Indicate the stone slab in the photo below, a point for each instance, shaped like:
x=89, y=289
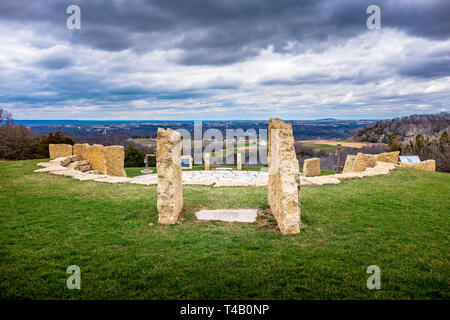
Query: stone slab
x=229, y=215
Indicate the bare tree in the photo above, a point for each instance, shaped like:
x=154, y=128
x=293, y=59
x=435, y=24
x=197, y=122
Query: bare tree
x=5, y=117
x=17, y=142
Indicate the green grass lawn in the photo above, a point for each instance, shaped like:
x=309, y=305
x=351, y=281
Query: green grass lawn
x=133, y=172
x=398, y=222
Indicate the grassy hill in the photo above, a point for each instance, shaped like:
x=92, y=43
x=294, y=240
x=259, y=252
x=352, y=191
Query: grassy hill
x=399, y=222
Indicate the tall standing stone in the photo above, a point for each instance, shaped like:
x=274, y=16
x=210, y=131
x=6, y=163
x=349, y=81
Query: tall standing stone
x=207, y=157
x=311, y=167
x=284, y=177
x=168, y=165
x=239, y=161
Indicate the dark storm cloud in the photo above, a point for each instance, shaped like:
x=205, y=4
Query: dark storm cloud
x=427, y=69
x=55, y=62
x=224, y=32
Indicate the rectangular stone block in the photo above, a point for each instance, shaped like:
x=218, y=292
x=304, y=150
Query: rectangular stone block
x=114, y=158
x=391, y=157
x=59, y=150
x=360, y=163
x=82, y=150
x=284, y=177
x=311, y=167
x=349, y=163
x=96, y=158
x=170, y=184
x=371, y=160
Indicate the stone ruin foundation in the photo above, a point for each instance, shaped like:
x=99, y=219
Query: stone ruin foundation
x=284, y=177
x=100, y=159
x=168, y=164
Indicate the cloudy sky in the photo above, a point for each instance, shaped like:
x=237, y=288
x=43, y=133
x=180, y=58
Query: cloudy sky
x=224, y=59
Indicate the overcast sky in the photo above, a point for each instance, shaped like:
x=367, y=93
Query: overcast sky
x=224, y=59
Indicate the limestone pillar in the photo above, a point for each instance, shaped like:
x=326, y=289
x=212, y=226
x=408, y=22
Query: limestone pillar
x=207, y=157
x=239, y=161
x=284, y=177
x=168, y=165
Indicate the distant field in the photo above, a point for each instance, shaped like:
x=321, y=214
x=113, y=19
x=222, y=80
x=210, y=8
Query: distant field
x=145, y=142
x=332, y=144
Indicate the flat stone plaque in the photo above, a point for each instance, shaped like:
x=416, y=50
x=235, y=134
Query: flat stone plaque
x=237, y=215
x=409, y=159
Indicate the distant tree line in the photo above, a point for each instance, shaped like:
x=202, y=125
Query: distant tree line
x=405, y=128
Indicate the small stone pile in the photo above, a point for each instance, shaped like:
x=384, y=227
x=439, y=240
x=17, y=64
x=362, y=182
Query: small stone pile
x=72, y=163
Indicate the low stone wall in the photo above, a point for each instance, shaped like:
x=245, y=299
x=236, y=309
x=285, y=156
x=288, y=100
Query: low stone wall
x=361, y=161
x=114, y=158
x=168, y=166
x=107, y=160
x=391, y=157
x=311, y=167
x=59, y=150
x=428, y=165
x=284, y=177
